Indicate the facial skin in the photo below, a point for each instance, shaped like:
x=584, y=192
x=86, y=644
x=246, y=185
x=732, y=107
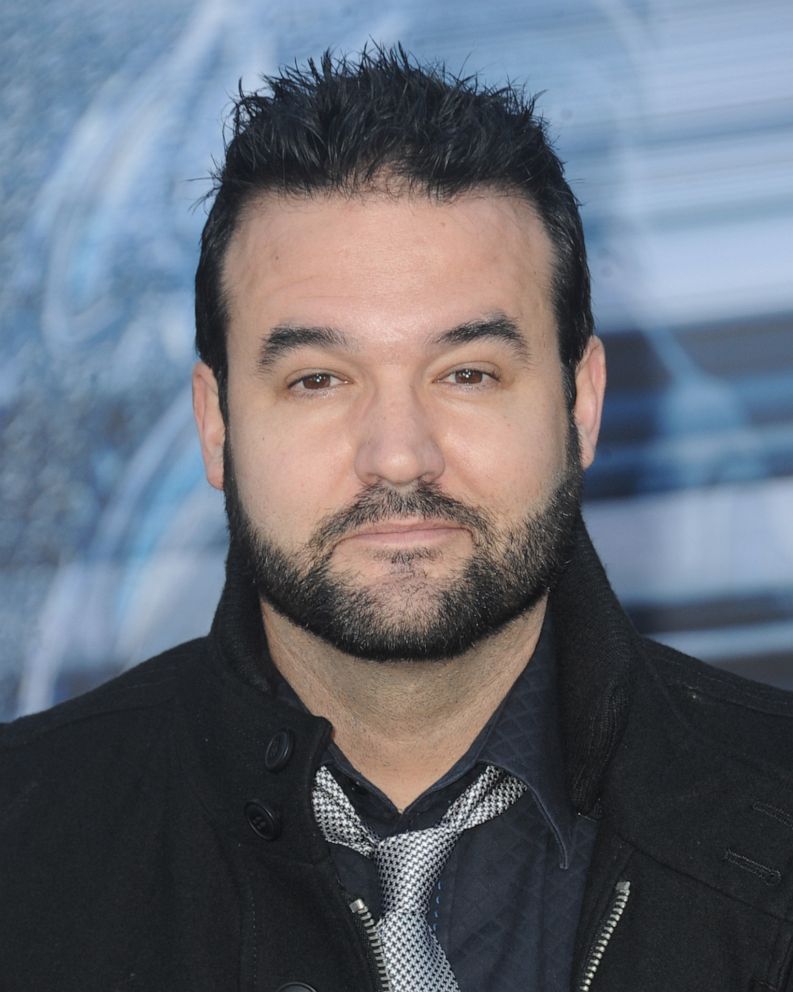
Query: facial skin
x=399, y=461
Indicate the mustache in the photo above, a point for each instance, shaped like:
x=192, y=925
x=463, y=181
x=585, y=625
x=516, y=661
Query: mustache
x=377, y=502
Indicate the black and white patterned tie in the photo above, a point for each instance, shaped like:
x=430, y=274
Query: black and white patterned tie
x=409, y=865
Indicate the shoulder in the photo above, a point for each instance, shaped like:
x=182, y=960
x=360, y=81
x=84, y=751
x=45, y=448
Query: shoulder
x=144, y=687
x=734, y=713
x=96, y=736
x=84, y=791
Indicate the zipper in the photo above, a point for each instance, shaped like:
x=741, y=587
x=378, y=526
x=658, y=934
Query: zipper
x=619, y=901
x=369, y=927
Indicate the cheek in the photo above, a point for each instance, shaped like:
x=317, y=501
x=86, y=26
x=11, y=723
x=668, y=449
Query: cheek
x=286, y=478
x=510, y=463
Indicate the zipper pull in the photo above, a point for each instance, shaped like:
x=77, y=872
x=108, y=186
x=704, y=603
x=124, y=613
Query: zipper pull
x=619, y=901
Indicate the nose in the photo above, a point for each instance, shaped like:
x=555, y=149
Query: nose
x=396, y=441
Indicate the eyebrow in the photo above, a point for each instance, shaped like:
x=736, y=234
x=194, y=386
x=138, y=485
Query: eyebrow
x=287, y=337
x=497, y=325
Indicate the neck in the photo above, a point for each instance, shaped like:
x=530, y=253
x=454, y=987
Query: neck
x=402, y=724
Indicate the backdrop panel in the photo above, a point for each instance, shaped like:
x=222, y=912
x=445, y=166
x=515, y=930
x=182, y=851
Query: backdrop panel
x=674, y=120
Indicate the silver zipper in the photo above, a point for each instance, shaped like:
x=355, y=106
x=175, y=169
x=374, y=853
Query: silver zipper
x=622, y=891
x=361, y=910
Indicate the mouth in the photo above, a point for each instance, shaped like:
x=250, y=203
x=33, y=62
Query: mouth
x=403, y=532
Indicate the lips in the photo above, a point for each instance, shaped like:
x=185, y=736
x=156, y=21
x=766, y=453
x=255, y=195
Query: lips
x=403, y=526
x=406, y=530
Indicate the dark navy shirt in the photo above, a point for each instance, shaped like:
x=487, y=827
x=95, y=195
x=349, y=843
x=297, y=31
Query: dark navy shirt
x=508, y=900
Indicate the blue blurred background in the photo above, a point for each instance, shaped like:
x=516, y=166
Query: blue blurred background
x=674, y=119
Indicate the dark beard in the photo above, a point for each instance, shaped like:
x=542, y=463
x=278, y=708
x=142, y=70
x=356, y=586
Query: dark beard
x=508, y=573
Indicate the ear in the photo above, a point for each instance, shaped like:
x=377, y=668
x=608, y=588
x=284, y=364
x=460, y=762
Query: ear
x=209, y=421
x=590, y=385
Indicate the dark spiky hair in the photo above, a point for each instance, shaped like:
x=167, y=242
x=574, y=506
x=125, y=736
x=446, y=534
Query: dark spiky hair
x=386, y=121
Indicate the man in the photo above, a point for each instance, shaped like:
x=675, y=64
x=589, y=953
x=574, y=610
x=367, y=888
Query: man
x=422, y=748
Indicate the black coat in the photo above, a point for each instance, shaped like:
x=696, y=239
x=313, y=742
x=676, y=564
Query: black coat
x=156, y=834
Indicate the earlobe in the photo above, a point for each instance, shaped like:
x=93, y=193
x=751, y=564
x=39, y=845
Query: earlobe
x=590, y=380
x=209, y=421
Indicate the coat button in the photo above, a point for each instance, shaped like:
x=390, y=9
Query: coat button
x=295, y=987
x=279, y=750
x=264, y=820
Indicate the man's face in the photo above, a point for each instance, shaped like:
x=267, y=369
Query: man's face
x=400, y=467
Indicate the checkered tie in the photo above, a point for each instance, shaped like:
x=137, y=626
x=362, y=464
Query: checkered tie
x=409, y=865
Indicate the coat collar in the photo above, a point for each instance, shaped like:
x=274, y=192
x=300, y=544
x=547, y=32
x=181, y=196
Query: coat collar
x=597, y=649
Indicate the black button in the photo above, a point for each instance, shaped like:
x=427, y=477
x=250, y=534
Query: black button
x=279, y=750
x=295, y=987
x=264, y=820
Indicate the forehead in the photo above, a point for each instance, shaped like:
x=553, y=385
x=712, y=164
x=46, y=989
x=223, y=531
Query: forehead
x=387, y=266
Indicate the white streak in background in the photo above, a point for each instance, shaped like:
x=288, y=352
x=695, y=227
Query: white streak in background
x=704, y=273
x=61, y=612
x=734, y=540
x=634, y=30
x=729, y=643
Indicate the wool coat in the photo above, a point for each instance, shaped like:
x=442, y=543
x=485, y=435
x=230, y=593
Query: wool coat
x=156, y=834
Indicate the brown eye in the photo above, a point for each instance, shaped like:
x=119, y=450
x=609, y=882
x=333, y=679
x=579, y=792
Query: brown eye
x=469, y=377
x=319, y=380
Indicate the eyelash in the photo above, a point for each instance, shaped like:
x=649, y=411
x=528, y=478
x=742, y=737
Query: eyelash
x=313, y=375
x=485, y=373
